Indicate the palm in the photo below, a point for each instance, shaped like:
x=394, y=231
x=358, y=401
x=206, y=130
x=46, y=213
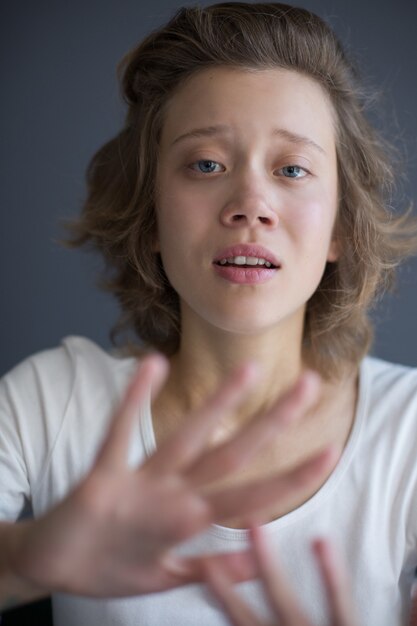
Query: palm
x=114, y=534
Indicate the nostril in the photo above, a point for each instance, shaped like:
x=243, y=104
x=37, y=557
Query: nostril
x=250, y=217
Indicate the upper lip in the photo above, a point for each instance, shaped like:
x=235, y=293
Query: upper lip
x=247, y=249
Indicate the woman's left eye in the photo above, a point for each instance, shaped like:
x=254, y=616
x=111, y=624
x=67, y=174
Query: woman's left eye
x=205, y=166
x=293, y=171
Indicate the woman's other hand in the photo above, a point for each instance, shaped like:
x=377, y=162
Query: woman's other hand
x=285, y=605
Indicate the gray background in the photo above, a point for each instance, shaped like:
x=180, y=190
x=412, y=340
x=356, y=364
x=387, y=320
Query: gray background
x=60, y=102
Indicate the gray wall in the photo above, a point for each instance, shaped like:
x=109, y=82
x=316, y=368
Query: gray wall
x=60, y=102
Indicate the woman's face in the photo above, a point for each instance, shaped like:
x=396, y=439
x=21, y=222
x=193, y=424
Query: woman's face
x=247, y=196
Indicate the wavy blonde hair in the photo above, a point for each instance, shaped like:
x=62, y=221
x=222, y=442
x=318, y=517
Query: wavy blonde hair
x=119, y=219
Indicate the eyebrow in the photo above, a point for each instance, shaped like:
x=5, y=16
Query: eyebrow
x=223, y=129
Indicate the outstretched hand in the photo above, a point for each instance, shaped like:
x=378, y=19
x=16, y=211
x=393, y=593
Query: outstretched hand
x=114, y=534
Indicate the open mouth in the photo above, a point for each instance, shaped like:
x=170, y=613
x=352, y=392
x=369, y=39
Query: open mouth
x=246, y=262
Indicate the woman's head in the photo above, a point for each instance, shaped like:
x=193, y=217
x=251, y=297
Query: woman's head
x=246, y=199
x=120, y=211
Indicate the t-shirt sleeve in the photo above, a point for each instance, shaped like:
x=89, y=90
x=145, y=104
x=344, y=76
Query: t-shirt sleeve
x=33, y=399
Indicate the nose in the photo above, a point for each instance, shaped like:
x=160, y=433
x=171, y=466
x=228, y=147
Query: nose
x=249, y=208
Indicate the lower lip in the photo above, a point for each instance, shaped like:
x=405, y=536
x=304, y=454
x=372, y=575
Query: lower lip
x=245, y=275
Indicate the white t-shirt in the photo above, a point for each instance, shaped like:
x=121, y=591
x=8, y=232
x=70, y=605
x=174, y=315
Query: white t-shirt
x=54, y=411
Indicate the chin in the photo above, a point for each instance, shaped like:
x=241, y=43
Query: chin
x=246, y=325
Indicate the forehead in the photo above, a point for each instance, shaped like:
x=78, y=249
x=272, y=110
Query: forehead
x=246, y=101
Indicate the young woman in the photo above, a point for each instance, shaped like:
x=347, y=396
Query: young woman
x=243, y=212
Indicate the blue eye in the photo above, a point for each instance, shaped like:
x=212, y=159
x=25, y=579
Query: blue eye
x=293, y=171
x=206, y=166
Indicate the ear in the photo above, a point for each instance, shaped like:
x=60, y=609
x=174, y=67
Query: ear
x=334, y=251
x=335, y=246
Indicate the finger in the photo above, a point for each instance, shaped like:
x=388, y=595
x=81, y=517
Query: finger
x=186, y=445
x=336, y=581
x=277, y=590
x=237, y=452
x=236, y=609
x=148, y=378
x=173, y=571
x=257, y=497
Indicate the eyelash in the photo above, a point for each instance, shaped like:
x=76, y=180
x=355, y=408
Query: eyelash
x=298, y=167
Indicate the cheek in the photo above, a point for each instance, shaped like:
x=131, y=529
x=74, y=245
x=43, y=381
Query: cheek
x=183, y=211
x=177, y=224
x=312, y=220
x=180, y=233
x=311, y=230
x=170, y=208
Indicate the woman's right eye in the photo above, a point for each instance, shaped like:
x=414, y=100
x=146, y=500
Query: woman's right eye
x=205, y=166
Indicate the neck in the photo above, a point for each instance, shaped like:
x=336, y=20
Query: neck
x=208, y=355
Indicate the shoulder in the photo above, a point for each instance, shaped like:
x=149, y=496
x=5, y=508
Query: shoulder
x=53, y=409
x=388, y=412
x=389, y=441
x=73, y=377
x=58, y=368
x=389, y=384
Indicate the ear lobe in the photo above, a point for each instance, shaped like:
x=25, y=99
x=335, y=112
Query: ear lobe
x=334, y=251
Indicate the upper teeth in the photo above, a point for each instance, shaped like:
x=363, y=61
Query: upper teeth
x=245, y=260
